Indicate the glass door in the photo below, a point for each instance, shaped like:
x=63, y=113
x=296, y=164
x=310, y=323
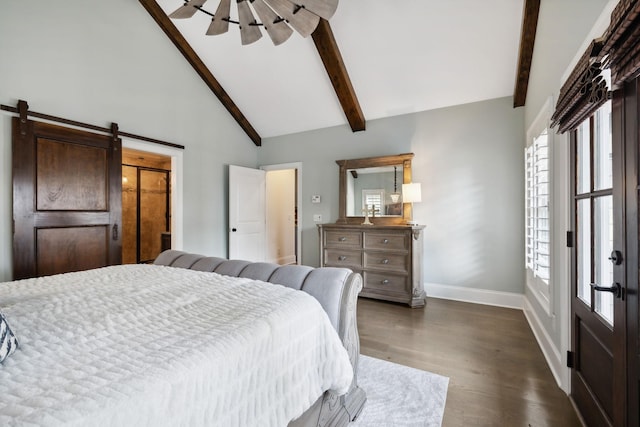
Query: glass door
x=596, y=274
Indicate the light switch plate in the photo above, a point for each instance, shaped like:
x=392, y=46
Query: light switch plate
x=315, y=198
x=317, y=218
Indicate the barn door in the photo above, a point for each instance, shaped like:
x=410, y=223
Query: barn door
x=66, y=199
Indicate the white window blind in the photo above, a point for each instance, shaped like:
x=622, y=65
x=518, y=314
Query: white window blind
x=373, y=198
x=537, y=206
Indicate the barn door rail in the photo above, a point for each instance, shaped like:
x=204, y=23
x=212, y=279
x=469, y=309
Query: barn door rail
x=22, y=110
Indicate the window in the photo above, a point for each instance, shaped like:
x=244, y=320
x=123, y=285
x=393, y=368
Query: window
x=594, y=211
x=538, y=213
x=537, y=207
x=373, y=199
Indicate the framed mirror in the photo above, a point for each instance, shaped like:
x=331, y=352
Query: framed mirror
x=375, y=182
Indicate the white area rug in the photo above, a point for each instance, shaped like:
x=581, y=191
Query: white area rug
x=399, y=396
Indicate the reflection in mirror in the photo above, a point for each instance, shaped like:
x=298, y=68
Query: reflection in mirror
x=374, y=181
x=375, y=188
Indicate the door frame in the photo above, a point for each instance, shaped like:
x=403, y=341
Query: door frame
x=177, y=178
x=298, y=168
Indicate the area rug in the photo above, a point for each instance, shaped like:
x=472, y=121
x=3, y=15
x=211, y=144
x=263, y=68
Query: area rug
x=399, y=396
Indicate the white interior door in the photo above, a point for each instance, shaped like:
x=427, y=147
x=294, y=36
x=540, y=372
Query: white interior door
x=247, y=213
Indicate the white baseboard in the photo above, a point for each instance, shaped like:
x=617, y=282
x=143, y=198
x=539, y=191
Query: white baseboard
x=473, y=295
x=551, y=353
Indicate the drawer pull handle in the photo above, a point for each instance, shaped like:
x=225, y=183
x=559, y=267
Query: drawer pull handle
x=385, y=241
x=342, y=239
x=384, y=282
x=342, y=258
x=385, y=261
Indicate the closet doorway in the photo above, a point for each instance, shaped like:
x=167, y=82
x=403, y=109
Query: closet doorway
x=146, y=205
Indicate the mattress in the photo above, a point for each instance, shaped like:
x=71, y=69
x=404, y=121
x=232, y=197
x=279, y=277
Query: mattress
x=148, y=345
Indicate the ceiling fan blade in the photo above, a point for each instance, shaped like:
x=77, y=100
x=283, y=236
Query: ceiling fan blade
x=278, y=31
x=187, y=10
x=323, y=8
x=219, y=24
x=248, y=33
x=303, y=21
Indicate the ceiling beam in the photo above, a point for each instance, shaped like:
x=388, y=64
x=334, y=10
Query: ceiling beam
x=527, y=40
x=333, y=63
x=192, y=57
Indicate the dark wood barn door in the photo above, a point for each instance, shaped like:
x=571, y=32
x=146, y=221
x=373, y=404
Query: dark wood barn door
x=66, y=199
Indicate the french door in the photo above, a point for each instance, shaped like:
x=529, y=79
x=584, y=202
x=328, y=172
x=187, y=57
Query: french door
x=604, y=159
x=595, y=291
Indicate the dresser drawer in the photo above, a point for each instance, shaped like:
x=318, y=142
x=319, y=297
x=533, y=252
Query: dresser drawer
x=343, y=239
x=385, y=282
x=386, y=261
x=394, y=242
x=342, y=258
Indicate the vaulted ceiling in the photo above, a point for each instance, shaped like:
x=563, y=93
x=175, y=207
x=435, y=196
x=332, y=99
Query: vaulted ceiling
x=373, y=59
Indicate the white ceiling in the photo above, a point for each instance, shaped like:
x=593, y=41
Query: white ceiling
x=402, y=57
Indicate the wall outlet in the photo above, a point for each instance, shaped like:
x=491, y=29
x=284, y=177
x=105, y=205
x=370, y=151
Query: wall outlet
x=315, y=199
x=317, y=218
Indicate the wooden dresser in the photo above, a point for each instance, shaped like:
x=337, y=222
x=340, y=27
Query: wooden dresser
x=389, y=258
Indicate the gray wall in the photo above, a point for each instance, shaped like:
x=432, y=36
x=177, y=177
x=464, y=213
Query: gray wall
x=469, y=161
x=108, y=61
x=563, y=27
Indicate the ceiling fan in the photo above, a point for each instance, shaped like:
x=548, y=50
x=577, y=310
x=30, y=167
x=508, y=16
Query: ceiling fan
x=278, y=17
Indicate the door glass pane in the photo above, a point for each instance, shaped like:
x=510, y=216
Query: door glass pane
x=129, y=214
x=583, y=159
x=584, y=250
x=602, y=154
x=603, y=244
x=153, y=213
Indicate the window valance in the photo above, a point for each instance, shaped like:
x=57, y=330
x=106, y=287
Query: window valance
x=618, y=51
x=584, y=91
x=621, y=50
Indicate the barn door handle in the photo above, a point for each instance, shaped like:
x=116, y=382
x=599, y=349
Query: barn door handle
x=615, y=289
x=114, y=232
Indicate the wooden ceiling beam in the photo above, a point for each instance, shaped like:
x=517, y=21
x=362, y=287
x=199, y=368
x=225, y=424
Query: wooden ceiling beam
x=527, y=40
x=192, y=57
x=333, y=63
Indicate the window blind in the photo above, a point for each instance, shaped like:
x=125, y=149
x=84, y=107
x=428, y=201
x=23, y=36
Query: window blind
x=584, y=91
x=537, y=206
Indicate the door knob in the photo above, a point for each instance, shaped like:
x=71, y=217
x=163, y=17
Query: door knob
x=616, y=257
x=233, y=230
x=615, y=289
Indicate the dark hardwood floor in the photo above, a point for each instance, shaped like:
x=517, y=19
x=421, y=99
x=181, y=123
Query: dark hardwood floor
x=497, y=373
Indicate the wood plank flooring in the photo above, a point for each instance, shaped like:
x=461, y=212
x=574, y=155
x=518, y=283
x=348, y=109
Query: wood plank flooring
x=497, y=373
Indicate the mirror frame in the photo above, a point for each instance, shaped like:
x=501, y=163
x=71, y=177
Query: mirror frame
x=368, y=162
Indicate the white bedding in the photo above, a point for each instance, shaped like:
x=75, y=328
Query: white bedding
x=145, y=345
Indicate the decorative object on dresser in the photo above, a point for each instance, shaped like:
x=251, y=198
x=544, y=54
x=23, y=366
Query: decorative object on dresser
x=412, y=193
x=389, y=257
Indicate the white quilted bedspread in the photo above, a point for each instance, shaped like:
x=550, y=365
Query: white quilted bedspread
x=145, y=345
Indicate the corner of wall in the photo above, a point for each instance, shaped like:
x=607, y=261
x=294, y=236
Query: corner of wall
x=551, y=353
x=475, y=295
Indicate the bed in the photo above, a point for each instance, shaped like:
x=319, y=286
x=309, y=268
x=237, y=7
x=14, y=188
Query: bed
x=188, y=341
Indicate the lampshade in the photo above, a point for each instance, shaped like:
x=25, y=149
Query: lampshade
x=411, y=193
